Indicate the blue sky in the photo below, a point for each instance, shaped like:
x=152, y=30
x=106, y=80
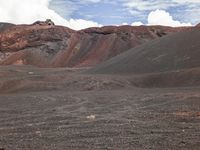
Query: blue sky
x=80, y=14
x=105, y=13
x=126, y=11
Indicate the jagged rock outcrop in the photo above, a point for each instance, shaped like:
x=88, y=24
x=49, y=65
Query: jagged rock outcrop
x=48, y=22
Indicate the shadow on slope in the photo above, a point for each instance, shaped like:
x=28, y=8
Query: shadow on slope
x=172, y=52
x=170, y=61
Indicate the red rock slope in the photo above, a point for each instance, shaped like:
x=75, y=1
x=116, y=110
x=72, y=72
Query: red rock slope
x=45, y=45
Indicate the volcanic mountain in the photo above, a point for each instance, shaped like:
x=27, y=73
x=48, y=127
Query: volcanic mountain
x=146, y=97
x=176, y=51
x=45, y=45
x=170, y=60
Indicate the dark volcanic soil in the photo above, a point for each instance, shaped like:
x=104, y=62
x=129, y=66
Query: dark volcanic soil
x=56, y=109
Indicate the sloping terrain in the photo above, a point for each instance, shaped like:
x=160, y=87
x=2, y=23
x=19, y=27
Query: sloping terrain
x=172, y=52
x=169, y=61
x=45, y=45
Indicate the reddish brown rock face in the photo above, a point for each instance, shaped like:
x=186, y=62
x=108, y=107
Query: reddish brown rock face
x=198, y=25
x=56, y=46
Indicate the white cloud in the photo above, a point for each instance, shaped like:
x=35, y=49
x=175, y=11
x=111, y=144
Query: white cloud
x=29, y=11
x=124, y=23
x=82, y=24
x=138, y=23
x=190, y=13
x=187, y=1
x=161, y=17
x=142, y=5
x=93, y=1
x=63, y=8
x=156, y=4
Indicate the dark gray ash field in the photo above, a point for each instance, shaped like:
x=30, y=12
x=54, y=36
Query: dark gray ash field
x=57, y=92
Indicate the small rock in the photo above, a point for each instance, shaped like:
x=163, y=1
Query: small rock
x=38, y=133
x=91, y=117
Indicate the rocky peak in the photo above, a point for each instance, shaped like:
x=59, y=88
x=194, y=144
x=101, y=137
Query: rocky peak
x=48, y=22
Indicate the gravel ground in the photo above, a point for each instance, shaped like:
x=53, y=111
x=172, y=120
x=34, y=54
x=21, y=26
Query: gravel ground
x=109, y=114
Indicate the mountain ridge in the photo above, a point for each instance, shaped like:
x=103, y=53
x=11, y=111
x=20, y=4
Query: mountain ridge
x=48, y=45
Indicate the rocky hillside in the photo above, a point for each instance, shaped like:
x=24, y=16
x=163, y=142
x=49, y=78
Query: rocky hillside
x=45, y=45
x=172, y=52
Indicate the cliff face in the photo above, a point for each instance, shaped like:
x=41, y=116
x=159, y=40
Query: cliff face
x=47, y=45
